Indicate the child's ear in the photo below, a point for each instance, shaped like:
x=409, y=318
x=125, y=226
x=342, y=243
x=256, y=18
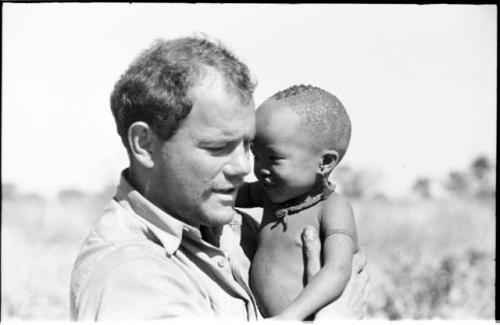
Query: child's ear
x=329, y=160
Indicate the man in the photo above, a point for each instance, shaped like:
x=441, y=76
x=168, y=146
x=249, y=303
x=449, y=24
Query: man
x=170, y=244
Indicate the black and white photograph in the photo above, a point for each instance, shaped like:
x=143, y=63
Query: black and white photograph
x=248, y=162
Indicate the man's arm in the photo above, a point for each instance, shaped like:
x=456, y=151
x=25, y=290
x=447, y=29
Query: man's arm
x=250, y=196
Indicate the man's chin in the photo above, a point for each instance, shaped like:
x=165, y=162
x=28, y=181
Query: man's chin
x=222, y=217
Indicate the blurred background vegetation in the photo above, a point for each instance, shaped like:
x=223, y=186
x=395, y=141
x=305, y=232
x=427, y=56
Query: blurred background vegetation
x=431, y=254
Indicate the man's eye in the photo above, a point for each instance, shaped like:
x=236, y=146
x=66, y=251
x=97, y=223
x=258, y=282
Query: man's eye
x=216, y=149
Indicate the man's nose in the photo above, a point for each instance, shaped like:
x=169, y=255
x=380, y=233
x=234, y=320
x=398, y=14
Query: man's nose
x=240, y=162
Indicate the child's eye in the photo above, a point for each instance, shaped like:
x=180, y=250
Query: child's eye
x=274, y=158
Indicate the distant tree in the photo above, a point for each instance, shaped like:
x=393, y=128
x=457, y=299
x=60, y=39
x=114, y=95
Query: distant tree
x=480, y=167
x=477, y=181
x=70, y=194
x=422, y=187
x=33, y=197
x=458, y=183
x=483, y=177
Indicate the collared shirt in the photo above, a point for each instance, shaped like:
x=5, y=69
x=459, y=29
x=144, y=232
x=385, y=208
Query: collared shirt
x=141, y=263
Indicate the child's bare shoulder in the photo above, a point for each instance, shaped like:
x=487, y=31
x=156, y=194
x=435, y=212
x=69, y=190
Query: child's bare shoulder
x=336, y=203
x=337, y=213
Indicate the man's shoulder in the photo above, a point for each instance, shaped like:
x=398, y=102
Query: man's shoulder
x=124, y=266
x=135, y=280
x=116, y=242
x=133, y=260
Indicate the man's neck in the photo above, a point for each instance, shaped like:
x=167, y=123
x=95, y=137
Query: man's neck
x=140, y=183
x=132, y=176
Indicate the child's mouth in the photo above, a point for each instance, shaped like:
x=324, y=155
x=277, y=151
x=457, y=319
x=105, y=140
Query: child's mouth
x=267, y=183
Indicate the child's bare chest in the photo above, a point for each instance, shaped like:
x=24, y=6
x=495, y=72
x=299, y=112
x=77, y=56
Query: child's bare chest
x=287, y=230
x=277, y=272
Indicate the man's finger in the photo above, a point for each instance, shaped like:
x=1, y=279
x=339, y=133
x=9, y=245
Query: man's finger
x=359, y=283
x=359, y=260
x=312, y=251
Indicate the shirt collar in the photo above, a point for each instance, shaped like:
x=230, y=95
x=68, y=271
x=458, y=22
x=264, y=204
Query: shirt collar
x=166, y=228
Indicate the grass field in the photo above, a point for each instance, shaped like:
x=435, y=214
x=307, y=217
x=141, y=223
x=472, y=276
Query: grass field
x=427, y=259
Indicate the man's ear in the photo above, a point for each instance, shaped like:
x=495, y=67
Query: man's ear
x=329, y=159
x=141, y=143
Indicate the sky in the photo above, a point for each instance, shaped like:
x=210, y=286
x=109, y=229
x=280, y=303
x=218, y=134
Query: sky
x=419, y=82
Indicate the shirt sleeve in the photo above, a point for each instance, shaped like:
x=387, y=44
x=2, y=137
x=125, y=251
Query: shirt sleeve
x=133, y=283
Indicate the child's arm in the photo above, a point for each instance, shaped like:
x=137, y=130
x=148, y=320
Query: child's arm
x=249, y=196
x=340, y=242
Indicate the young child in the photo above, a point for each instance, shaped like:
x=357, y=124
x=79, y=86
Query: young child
x=302, y=134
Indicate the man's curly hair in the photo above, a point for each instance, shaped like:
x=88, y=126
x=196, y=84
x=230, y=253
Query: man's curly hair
x=323, y=117
x=154, y=89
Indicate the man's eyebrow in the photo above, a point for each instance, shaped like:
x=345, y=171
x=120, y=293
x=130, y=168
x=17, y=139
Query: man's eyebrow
x=217, y=139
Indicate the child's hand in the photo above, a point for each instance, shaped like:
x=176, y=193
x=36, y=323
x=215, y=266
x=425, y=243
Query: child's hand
x=352, y=302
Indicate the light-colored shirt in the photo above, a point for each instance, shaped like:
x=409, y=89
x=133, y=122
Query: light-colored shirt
x=141, y=263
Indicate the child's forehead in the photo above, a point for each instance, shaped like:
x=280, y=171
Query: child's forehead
x=279, y=124
x=277, y=116
x=272, y=109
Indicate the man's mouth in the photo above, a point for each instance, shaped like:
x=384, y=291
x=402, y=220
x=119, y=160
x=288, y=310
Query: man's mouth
x=228, y=189
x=225, y=191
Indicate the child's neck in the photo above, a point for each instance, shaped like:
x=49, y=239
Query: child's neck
x=318, y=192
x=302, y=202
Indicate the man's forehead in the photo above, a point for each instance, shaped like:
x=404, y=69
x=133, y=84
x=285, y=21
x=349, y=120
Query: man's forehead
x=210, y=77
x=221, y=122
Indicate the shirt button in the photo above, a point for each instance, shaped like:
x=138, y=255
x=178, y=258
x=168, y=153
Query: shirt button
x=222, y=262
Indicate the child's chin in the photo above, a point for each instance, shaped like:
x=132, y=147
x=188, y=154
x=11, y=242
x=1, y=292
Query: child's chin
x=276, y=199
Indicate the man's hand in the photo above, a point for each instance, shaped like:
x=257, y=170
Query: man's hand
x=312, y=251
x=352, y=302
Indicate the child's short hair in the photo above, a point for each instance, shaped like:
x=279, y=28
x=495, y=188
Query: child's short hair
x=323, y=116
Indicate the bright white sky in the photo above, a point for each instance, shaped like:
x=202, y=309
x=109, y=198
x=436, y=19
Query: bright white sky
x=419, y=82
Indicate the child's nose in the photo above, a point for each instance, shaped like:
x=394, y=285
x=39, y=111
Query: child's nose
x=262, y=171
